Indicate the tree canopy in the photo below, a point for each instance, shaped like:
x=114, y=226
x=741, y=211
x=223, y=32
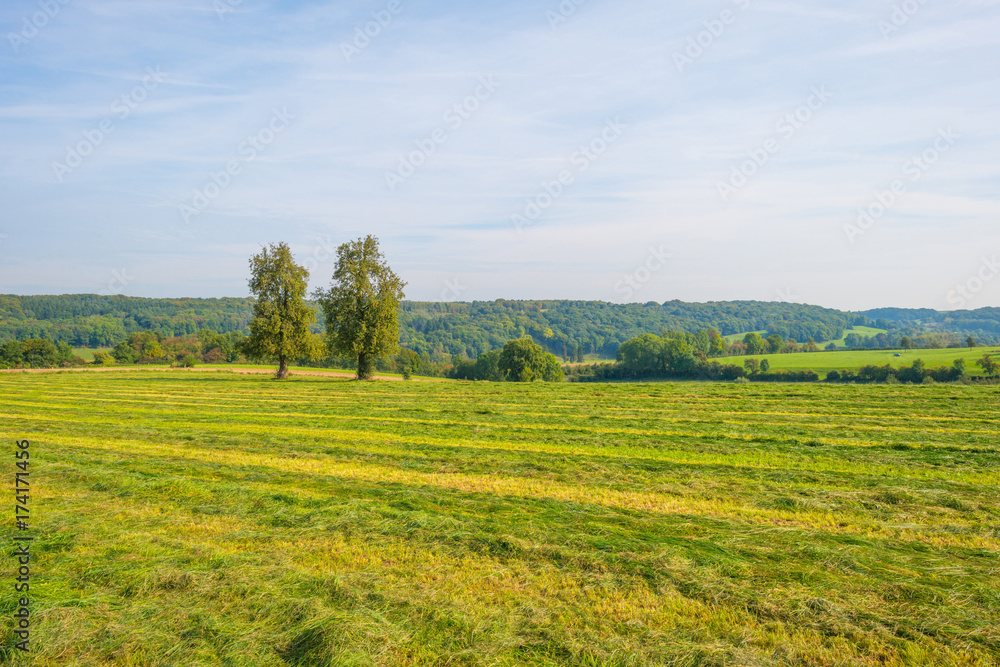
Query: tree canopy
x=522, y=360
x=280, y=325
x=362, y=304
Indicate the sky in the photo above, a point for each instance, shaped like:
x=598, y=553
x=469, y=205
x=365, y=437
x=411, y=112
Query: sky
x=836, y=153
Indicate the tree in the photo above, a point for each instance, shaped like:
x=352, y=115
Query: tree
x=775, y=342
x=125, y=353
x=280, y=325
x=522, y=360
x=755, y=343
x=906, y=343
x=970, y=341
x=39, y=353
x=752, y=365
x=103, y=359
x=642, y=355
x=989, y=366
x=718, y=346
x=10, y=354
x=362, y=305
x=407, y=363
x=488, y=367
x=765, y=365
x=463, y=368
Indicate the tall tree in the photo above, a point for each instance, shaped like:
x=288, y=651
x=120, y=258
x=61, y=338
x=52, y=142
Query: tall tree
x=280, y=325
x=362, y=304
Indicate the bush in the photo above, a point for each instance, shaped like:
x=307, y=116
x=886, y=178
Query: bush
x=188, y=361
x=103, y=359
x=214, y=356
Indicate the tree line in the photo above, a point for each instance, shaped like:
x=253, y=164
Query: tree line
x=571, y=330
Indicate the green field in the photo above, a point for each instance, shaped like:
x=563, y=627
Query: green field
x=824, y=362
x=216, y=519
x=87, y=353
x=863, y=331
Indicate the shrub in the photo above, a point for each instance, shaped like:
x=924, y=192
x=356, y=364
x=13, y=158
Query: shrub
x=103, y=359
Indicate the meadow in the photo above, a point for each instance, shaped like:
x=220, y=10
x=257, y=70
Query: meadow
x=824, y=362
x=210, y=518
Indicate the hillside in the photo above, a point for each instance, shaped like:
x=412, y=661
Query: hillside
x=564, y=327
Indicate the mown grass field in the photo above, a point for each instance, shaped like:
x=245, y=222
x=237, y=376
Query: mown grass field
x=216, y=519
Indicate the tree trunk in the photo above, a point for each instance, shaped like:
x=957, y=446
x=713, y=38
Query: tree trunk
x=364, y=367
x=282, y=368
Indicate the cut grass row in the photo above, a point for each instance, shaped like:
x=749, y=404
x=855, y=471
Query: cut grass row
x=210, y=518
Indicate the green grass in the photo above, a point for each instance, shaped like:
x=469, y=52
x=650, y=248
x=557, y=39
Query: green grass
x=861, y=331
x=824, y=362
x=216, y=519
x=732, y=338
x=87, y=353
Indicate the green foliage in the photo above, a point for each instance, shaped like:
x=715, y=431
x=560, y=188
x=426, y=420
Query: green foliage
x=522, y=360
x=464, y=369
x=188, y=361
x=488, y=367
x=362, y=304
x=755, y=344
x=988, y=364
x=11, y=355
x=124, y=353
x=442, y=330
x=103, y=359
x=280, y=325
x=37, y=353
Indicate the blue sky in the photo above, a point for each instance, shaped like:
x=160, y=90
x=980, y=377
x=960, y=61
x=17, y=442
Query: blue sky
x=706, y=151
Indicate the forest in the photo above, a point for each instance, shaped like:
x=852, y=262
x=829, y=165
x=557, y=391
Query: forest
x=568, y=329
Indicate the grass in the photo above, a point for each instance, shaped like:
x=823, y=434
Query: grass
x=87, y=353
x=861, y=331
x=824, y=362
x=217, y=519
